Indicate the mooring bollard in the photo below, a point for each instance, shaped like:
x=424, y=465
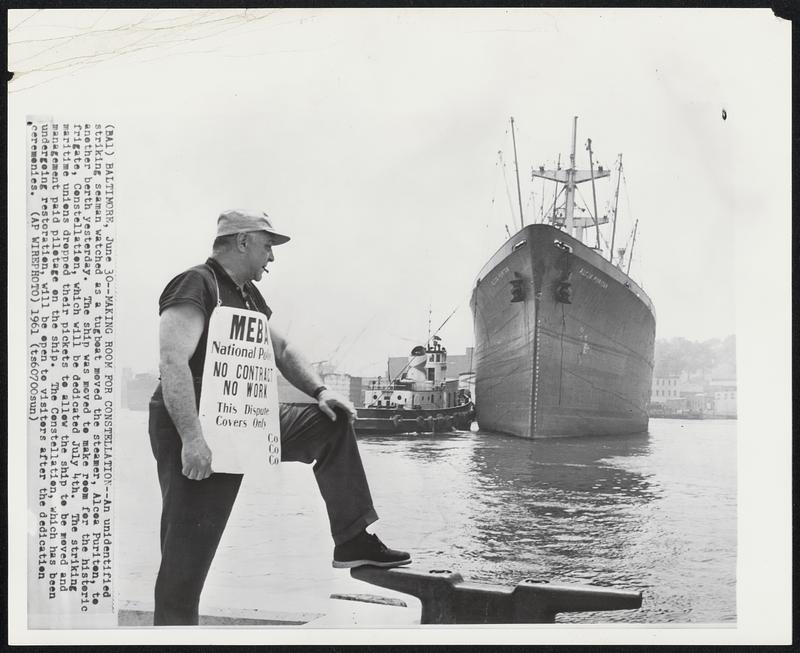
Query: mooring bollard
x=448, y=599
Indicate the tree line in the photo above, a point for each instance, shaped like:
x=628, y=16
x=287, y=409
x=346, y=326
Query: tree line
x=676, y=355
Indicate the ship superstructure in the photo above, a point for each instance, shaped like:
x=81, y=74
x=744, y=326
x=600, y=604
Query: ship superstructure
x=422, y=383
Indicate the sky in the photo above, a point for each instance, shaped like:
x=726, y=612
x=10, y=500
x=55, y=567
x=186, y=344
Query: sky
x=380, y=141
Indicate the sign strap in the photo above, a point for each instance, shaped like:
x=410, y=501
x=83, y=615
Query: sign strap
x=216, y=283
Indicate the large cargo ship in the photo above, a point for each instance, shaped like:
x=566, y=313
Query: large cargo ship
x=563, y=336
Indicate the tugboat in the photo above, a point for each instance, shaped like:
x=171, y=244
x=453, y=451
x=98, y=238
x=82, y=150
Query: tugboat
x=420, y=400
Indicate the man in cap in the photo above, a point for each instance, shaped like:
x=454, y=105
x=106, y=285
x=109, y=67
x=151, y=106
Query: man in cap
x=196, y=501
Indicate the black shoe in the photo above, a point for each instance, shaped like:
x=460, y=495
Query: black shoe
x=366, y=549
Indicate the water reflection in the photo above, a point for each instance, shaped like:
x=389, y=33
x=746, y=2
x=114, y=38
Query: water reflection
x=642, y=512
x=528, y=508
x=558, y=505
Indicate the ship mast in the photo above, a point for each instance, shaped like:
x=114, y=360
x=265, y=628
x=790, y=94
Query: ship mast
x=571, y=178
x=516, y=168
x=569, y=206
x=430, y=311
x=630, y=255
x=555, y=190
x=594, y=194
x=616, y=203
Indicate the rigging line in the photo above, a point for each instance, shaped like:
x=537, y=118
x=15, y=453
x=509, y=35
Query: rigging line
x=530, y=203
x=494, y=181
x=627, y=198
x=508, y=192
x=336, y=349
x=585, y=205
x=493, y=203
x=500, y=163
x=494, y=187
x=628, y=202
x=552, y=207
x=358, y=337
x=541, y=209
x=445, y=321
x=625, y=248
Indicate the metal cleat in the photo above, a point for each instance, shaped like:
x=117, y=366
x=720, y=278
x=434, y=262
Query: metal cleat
x=448, y=599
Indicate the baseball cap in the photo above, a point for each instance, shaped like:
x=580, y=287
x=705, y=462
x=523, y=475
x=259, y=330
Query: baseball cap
x=242, y=220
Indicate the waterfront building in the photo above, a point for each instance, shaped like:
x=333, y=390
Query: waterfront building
x=349, y=386
x=699, y=395
x=664, y=388
x=724, y=397
x=700, y=403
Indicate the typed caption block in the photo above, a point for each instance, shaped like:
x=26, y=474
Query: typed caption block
x=71, y=372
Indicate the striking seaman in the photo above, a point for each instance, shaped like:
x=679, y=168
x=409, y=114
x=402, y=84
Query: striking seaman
x=200, y=464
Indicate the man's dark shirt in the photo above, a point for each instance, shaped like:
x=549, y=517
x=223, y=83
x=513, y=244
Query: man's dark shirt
x=196, y=286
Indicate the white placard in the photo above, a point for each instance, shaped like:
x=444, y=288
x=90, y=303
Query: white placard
x=239, y=399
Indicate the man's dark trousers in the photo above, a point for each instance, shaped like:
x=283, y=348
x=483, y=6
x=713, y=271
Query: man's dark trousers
x=194, y=513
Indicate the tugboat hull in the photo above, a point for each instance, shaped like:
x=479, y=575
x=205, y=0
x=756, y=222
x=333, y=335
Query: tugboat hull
x=388, y=421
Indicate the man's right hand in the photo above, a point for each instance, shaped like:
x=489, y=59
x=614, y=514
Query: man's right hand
x=196, y=459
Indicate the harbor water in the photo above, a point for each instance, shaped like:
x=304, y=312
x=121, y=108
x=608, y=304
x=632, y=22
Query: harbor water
x=654, y=512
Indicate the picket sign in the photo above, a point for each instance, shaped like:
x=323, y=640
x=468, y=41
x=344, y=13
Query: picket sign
x=239, y=397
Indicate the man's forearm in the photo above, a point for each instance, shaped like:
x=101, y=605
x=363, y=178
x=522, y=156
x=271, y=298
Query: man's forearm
x=179, y=398
x=298, y=371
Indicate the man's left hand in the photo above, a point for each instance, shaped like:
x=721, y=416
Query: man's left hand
x=328, y=400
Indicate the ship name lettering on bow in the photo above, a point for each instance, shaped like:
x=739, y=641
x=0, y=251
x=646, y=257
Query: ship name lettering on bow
x=592, y=277
x=496, y=279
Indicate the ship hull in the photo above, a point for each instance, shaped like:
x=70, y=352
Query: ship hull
x=575, y=355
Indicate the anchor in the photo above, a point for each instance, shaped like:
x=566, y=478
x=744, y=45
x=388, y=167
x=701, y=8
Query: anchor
x=448, y=599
